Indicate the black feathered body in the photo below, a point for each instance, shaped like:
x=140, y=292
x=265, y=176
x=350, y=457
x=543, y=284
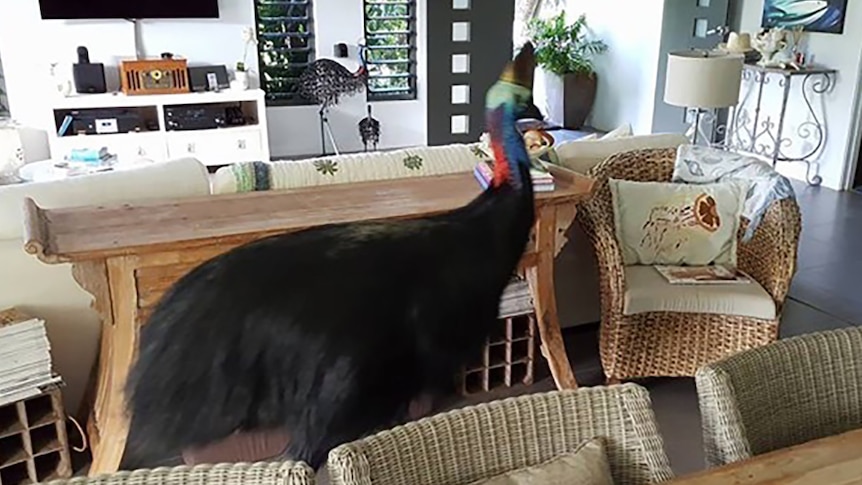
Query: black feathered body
x=328, y=333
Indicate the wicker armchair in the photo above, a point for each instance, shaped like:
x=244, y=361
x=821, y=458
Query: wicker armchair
x=262, y=473
x=668, y=343
x=485, y=440
x=786, y=393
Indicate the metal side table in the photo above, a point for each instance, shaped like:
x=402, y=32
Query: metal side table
x=758, y=131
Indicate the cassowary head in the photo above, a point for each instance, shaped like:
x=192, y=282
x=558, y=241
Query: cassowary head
x=510, y=96
x=513, y=92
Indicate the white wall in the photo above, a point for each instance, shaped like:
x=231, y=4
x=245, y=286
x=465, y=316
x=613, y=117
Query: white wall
x=840, y=52
x=28, y=46
x=627, y=71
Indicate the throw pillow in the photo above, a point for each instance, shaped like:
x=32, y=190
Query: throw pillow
x=587, y=465
x=677, y=224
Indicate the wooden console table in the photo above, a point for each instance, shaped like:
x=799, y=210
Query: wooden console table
x=835, y=460
x=128, y=255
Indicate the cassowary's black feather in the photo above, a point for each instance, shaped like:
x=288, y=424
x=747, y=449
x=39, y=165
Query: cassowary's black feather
x=329, y=332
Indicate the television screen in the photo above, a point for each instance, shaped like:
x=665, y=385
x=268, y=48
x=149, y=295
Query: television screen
x=129, y=9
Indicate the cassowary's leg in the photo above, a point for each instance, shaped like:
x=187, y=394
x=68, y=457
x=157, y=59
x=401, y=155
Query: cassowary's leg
x=420, y=406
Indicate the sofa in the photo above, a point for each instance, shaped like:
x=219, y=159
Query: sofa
x=49, y=291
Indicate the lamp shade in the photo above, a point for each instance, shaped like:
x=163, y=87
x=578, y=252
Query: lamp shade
x=703, y=79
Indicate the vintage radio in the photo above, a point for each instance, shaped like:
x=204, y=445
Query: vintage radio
x=156, y=76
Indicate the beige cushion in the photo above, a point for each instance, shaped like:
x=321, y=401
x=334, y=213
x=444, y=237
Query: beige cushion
x=621, y=131
x=676, y=224
x=649, y=291
x=582, y=155
x=587, y=465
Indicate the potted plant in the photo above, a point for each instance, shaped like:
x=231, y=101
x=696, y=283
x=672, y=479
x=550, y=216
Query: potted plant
x=241, y=72
x=565, y=50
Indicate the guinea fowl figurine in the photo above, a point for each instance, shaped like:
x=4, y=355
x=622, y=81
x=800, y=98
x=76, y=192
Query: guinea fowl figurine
x=369, y=130
x=332, y=333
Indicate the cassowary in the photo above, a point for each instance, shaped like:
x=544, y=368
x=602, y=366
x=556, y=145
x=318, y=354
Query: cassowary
x=331, y=333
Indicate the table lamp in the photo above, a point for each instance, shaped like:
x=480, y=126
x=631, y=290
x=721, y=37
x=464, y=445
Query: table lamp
x=702, y=80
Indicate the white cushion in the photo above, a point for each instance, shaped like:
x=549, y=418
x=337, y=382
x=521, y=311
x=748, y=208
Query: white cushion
x=676, y=224
x=582, y=155
x=648, y=291
x=587, y=465
x=622, y=131
x=184, y=177
x=357, y=167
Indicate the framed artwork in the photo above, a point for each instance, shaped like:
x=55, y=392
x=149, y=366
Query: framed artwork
x=813, y=15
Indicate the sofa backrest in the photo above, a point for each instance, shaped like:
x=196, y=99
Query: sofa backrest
x=174, y=178
x=582, y=155
x=355, y=167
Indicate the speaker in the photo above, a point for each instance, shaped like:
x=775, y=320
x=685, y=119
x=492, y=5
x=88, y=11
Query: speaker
x=89, y=77
x=208, y=78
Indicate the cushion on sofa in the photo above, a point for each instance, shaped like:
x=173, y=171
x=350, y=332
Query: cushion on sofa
x=347, y=168
x=582, y=155
x=648, y=291
x=175, y=178
x=587, y=465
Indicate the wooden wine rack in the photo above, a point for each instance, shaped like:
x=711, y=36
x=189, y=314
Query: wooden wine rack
x=34, y=447
x=507, y=359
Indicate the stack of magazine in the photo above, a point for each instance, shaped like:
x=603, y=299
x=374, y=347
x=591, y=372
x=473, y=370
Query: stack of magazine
x=702, y=275
x=517, y=299
x=25, y=359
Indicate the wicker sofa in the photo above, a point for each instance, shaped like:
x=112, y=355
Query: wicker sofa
x=485, y=440
x=786, y=393
x=636, y=343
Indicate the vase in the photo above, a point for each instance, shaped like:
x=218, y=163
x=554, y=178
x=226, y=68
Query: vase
x=240, y=80
x=566, y=100
x=579, y=95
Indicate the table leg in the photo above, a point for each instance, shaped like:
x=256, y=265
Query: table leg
x=541, y=279
x=113, y=286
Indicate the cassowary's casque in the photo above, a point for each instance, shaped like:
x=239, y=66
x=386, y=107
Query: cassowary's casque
x=331, y=333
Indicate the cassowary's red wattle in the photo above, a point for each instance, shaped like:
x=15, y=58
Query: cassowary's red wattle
x=330, y=333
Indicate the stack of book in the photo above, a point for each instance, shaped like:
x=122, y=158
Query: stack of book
x=516, y=299
x=543, y=180
x=25, y=358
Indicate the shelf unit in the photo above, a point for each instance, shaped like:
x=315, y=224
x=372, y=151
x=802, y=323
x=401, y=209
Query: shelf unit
x=507, y=359
x=34, y=447
x=155, y=141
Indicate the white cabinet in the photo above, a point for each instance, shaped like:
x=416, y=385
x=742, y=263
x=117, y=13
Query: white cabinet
x=212, y=146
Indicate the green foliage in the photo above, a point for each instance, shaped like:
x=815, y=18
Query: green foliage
x=564, y=49
x=285, y=45
x=389, y=36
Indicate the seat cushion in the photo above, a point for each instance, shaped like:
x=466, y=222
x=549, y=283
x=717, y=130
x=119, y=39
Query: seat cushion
x=649, y=291
x=587, y=465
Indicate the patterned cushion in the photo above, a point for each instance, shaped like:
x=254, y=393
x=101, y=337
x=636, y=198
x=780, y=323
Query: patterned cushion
x=675, y=224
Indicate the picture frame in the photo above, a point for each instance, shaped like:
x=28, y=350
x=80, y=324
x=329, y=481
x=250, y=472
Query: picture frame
x=824, y=16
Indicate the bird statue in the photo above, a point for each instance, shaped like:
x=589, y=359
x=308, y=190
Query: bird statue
x=369, y=130
x=332, y=333
x=324, y=82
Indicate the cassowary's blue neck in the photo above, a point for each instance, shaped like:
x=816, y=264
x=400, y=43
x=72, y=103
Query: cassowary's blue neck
x=512, y=162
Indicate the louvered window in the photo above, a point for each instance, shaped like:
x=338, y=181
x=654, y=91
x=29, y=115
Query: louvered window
x=286, y=47
x=390, y=37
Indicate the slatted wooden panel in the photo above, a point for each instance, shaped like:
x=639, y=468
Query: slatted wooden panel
x=507, y=359
x=33, y=443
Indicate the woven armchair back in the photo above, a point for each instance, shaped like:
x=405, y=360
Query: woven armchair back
x=468, y=444
x=786, y=393
x=262, y=473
